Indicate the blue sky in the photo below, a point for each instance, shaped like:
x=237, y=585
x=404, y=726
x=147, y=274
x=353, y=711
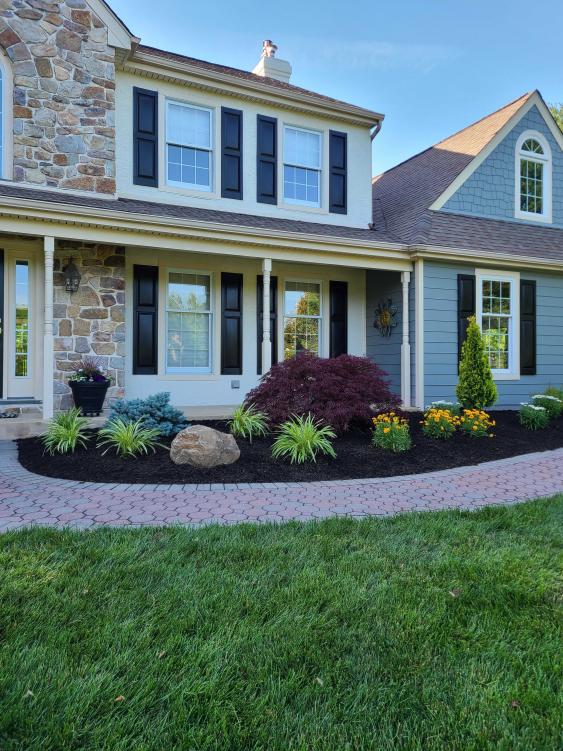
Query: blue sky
x=431, y=66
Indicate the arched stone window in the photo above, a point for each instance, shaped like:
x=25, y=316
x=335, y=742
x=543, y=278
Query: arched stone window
x=533, y=177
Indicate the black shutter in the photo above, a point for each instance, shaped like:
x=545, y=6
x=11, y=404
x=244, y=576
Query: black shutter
x=338, y=318
x=527, y=327
x=231, y=153
x=231, y=324
x=145, y=320
x=145, y=137
x=465, y=307
x=273, y=318
x=338, y=165
x=266, y=159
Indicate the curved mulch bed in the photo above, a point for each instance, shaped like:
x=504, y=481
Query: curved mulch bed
x=356, y=458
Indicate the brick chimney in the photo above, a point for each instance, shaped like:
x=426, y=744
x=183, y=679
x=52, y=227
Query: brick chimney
x=269, y=66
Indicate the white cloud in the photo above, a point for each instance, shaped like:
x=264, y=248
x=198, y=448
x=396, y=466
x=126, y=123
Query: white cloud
x=370, y=55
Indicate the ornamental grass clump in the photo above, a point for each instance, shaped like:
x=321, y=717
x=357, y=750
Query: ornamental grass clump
x=439, y=423
x=248, y=422
x=66, y=431
x=552, y=404
x=476, y=388
x=533, y=417
x=128, y=438
x=476, y=423
x=391, y=432
x=301, y=438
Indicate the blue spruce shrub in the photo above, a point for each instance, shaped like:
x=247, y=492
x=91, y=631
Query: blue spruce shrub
x=155, y=412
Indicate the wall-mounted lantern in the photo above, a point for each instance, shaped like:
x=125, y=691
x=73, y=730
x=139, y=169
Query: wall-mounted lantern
x=72, y=277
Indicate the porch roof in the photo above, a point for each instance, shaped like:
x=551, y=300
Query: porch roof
x=175, y=211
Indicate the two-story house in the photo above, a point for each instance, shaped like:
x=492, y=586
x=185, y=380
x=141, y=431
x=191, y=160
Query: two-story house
x=189, y=224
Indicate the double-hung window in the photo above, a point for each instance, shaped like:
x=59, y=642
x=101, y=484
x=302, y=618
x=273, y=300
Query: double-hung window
x=189, y=146
x=302, y=318
x=302, y=151
x=533, y=177
x=188, y=322
x=498, y=312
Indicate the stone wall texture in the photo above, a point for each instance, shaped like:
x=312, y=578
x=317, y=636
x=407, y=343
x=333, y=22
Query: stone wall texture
x=64, y=92
x=90, y=322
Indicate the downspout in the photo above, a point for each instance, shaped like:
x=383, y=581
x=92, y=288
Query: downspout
x=375, y=130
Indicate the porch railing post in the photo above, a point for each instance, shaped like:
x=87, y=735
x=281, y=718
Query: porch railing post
x=405, y=346
x=49, y=255
x=266, y=334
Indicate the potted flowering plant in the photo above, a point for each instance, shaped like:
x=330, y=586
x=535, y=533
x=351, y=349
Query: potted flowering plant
x=89, y=385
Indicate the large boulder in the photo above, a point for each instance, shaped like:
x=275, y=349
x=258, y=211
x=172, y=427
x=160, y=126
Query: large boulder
x=201, y=446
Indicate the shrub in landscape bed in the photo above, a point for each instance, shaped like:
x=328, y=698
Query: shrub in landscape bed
x=552, y=404
x=554, y=391
x=534, y=417
x=128, y=438
x=155, y=412
x=338, y=390
x=476, y=423
x=66, y=431
x=301, y=438
x=391, y=432
x=439, y=423
x=248, y=422
x=476, y=388
x=453, y=407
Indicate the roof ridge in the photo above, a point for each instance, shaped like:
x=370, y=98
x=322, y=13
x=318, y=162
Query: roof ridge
x=523, y=97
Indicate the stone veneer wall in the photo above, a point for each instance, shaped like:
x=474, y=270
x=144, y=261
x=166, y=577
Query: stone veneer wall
x=91, y=322
x=64, y=91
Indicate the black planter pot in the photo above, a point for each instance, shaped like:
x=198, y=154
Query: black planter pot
x=89, y=395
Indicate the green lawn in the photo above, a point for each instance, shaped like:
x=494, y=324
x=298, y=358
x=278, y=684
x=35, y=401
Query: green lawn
x=428, y=631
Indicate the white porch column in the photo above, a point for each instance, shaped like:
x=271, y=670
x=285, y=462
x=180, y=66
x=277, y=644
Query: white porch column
x=405, y=346
x=49, y=253
x=266, y=334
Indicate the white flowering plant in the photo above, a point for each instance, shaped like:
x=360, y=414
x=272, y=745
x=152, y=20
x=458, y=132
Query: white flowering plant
x=533, y=416
x=552, y=404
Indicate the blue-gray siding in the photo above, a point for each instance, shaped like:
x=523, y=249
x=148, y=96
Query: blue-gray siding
x=489, y=191
x=384, y=351
x=440, y=335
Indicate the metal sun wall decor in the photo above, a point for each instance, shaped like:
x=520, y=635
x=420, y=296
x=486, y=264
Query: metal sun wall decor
x=385, y=317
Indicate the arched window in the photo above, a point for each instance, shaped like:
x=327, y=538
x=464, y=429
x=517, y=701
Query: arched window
x=533, y=177
x=5, y=117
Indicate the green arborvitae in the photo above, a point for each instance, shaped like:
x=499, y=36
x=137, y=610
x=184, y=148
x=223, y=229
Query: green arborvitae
x=476, y=388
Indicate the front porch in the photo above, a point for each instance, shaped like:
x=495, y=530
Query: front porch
x=51, y=329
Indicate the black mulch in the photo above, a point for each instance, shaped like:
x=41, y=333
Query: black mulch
x=356, y=457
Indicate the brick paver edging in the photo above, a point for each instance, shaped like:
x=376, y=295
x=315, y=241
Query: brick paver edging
x=28, y=499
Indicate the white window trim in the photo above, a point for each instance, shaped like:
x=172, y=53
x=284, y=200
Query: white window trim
x=546, y=216
x=211, y=150
x=318, y=318
x=295, y=201
x=170, y=371
x=6, y=164
x=512, y=373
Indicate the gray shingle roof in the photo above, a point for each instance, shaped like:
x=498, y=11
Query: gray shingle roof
x=190, y=213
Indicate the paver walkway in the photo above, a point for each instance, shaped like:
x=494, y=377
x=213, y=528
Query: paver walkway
x=27, y=499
